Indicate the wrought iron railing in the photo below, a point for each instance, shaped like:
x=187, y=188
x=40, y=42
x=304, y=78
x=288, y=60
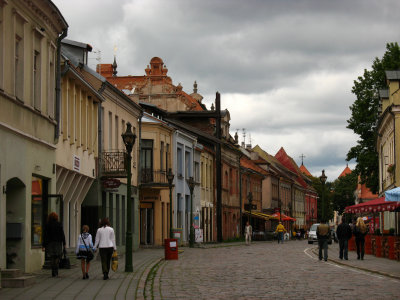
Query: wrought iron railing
x=149, y=176
x=113, y=163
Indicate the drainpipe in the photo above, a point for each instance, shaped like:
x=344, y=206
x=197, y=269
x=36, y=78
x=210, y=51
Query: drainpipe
x=58, y=84
x=138, y=174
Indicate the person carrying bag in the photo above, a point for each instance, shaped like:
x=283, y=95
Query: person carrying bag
x=85, y=253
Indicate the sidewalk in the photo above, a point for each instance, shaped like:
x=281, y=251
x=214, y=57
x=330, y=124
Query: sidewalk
x=371, y=263
x=70, y=285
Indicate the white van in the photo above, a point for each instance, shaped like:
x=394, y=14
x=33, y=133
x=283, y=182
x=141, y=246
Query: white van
x=312, y=234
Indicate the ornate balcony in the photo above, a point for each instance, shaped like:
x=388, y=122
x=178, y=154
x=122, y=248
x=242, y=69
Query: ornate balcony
x=149, y=177
x=112, y=164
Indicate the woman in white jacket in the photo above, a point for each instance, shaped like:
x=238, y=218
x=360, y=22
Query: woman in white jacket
x=105, y=241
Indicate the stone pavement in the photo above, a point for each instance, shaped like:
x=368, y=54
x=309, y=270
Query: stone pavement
x=371, y=263
x=264, y=270
x=70, y=284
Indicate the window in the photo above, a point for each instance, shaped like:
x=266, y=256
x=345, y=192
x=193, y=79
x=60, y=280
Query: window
x=187, y=164
x=167, y=163
x=179, y=158
x=196, y=172
x=37, y=211
x=37, y=72
x=146, y=161
x=109, y=130
x=19, y=68
x=117, y=137
x=51, y=83
x=162, y=157
x=230, y=181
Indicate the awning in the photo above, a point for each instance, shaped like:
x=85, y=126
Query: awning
x=393, y=194
x=283, y=217
x=259, y=215
x=376, y=205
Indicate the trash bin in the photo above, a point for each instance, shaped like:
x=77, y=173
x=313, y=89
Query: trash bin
x=171, y=249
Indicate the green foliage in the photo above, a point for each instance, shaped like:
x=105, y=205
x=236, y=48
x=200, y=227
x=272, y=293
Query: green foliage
x=364, y=115
x=343, y=192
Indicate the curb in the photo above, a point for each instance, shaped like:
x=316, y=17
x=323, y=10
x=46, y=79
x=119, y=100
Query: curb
x=143, y=278
x=358, y=268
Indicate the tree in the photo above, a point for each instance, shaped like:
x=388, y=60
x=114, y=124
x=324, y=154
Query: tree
x=343, y=194
x=324, y=192
x=364, y=115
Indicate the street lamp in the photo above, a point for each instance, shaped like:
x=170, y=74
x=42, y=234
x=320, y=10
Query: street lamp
x=191, y=184
x=250, y=198
x=170, y=178
x=129, y=140
x=322, y=178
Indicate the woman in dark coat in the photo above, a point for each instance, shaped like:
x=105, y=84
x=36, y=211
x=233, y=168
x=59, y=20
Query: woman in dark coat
x=53, y=241
x=360, y=231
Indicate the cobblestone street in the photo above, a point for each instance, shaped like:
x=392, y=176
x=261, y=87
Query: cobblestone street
x=264, y=270
x=267, y=271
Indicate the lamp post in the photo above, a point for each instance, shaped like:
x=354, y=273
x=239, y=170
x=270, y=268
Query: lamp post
x=170, y=178
x=191, y=184
x=322, y=178
x=250, y=198
x=129, y=140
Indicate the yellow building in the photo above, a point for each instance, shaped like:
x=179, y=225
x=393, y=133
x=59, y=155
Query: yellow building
x=30, y=32
x=388, y=141
x=207, y=193
x=155, y=160
x=77, y=147
x=117, y=110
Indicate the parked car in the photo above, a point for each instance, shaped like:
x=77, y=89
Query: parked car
x=312, y=234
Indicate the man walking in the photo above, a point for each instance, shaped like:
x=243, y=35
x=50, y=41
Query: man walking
x=323, y=235
x=343, y=233
x=280, y=229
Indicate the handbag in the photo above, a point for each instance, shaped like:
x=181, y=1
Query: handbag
x=64, y=261
x=89, y=255
x=114, y=261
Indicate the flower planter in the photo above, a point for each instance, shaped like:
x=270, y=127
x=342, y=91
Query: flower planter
x=368, y=244
x=391, y=242
x=378, y=246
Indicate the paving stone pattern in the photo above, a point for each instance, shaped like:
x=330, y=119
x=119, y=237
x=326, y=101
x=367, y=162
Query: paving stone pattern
x=267, y=270
x=264, y=270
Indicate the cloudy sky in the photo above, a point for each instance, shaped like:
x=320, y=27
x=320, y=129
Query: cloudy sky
x=284, y=68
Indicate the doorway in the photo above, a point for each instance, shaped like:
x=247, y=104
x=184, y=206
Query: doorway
x=15, y=222
x=146, y=223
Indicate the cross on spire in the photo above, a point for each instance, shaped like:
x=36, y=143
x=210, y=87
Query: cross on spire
x=302, y=156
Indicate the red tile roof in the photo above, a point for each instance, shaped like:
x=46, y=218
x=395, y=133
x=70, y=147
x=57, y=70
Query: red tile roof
x=304, y=170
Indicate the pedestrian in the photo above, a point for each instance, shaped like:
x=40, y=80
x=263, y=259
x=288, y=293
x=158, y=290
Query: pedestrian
x=343, y=233
x=323, y=235
x=84, y=248
x=248, y=233
x=53, y=242
x=360, y=230
x=105, y=241
x=280, y=229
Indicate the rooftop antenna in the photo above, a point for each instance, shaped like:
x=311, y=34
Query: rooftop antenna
x=98, y=58
x=302, y=156
x=244, y=137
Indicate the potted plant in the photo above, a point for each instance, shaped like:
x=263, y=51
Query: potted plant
x=391, y=168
